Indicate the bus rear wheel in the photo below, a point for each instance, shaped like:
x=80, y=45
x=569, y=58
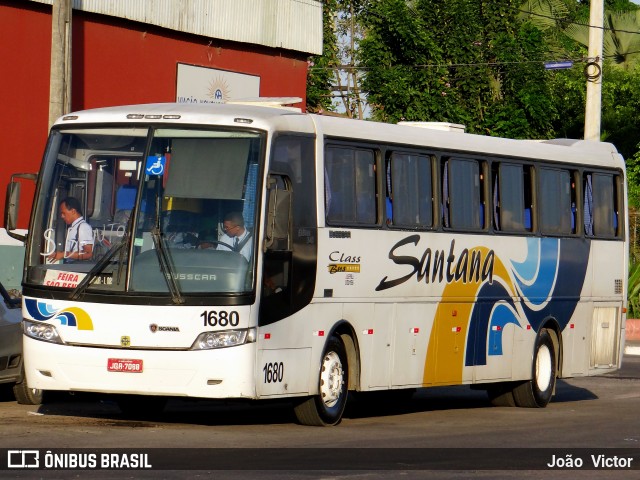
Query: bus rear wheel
x=501, y=394
x=537, y=392
x=327, y=407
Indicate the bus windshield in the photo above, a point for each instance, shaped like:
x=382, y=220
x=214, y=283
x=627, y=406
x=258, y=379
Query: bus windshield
x=148, y=211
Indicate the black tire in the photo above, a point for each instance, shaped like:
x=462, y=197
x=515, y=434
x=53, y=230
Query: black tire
x=141, y=406
x=326, y=408
x=27, y=396
x=501, y=394
x=537, y=392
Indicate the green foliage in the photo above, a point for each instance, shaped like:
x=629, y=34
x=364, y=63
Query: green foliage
x=459, y=61
x=633, y=291
x=321, y=73
x=633, y=179
x=621, y=44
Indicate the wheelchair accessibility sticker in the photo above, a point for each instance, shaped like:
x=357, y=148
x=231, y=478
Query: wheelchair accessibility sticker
x=155, y=165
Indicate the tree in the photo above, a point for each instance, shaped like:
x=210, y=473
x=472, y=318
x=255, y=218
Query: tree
x=349, y=33
x=333, y=76
x=463, y=61
x=322, y=67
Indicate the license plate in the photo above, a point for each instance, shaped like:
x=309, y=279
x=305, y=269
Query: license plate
x=124, y=365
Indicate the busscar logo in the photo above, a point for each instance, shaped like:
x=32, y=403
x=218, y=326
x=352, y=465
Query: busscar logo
x=155, y=328
x=125, y=341
x=23, y=459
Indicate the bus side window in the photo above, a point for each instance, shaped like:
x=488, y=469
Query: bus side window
x=511, y=194
x=555, y=201
x=466, y=193
x=410, y=178
x=350, y=185
x=600, y=195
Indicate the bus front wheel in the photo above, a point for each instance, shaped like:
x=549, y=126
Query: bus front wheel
x=326, y=408
x=537, y=392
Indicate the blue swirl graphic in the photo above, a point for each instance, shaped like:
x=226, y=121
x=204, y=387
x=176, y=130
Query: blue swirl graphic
x=537, y=274
x=39, y=311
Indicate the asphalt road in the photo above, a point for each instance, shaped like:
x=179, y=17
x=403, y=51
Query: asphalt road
x=400, y=437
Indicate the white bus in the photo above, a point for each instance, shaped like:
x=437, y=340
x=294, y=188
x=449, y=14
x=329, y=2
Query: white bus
x=379, y=257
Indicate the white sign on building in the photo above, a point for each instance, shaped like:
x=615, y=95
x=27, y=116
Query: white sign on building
x=210, y=85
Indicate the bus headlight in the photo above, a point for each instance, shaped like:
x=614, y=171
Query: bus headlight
x=41, y=331
x=223, y=339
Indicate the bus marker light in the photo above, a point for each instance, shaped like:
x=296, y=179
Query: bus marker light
x=572, y=325
x=496, y=328
x=528, y=327
x=415, y=330
x=267, y=336
x=319, y=333
x=368, y=332
x=456, y=329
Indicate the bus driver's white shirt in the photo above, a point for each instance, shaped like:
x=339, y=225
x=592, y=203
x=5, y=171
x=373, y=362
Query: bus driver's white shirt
x=246, y=248
x=79, y=234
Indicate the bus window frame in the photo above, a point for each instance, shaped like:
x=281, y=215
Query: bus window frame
x=388, y=177
x=377, y=155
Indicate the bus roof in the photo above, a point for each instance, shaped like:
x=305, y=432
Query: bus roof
x=273, y=118
x=261, y=116
x=559, y=150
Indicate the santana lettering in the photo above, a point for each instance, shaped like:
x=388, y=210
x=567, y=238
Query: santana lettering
x=467, y=266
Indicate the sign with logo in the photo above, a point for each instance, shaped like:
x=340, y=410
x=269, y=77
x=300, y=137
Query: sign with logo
x=209, y=85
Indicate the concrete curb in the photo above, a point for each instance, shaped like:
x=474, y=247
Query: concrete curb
x=632, y=336
x=632, y=350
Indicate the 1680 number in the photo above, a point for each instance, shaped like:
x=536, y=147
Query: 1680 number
x=273, y=372
x=222, y=318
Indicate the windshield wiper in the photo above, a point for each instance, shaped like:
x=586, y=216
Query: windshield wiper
x=165, y=266
x=97, y=268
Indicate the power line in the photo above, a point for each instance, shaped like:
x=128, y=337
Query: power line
x=449, y=65
x=480, y=64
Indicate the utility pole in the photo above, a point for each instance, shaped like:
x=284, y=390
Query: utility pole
x=60, y=76
x=593, y=108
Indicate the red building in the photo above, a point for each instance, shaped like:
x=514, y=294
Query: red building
x=146, y=51
x=118, y=61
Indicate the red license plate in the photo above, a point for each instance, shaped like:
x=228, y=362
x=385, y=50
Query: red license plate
x=127, y=365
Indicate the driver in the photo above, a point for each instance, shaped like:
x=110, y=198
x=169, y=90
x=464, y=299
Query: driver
x=79, y=239
x=236, y=237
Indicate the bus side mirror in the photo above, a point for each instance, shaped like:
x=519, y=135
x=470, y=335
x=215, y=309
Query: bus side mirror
x=12, y=204
x=278, y=214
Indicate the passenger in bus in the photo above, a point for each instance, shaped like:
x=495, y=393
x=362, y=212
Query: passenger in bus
x=235, y=235
x=79, y=239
